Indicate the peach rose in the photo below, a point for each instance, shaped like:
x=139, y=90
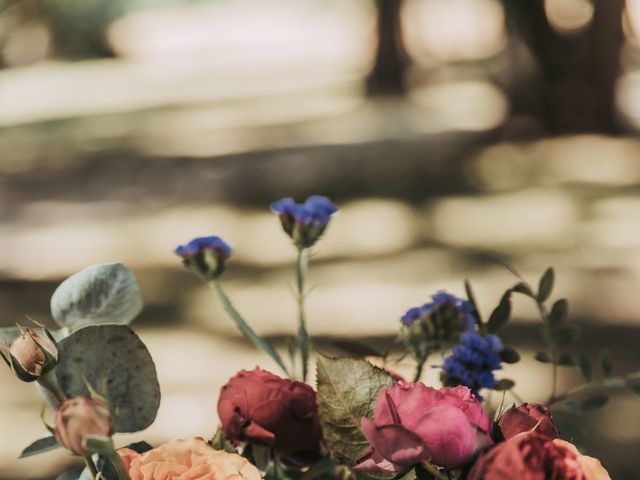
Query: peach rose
x=591, y=467
x=191, y=459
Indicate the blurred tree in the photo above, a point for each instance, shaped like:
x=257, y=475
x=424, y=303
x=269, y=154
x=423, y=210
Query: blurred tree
x=577, y=70
x=388, y=73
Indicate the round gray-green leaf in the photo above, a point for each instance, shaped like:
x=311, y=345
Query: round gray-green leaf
x=115, y=362
x=107, y=293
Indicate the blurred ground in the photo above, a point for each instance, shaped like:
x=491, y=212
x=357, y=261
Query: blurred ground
x=122, y=159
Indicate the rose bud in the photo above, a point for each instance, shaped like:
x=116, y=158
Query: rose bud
x=259, y=407
x=526, y=418
x=80, y=418
x=531, y=455
x=413, y=423
x=206, y=256
x=32, y=355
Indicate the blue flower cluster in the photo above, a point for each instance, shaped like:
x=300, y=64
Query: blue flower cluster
x=304, y=222
x=442, y=302
x=205, y=255
x=473, y=361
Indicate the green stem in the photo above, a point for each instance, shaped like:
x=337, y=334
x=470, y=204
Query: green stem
x=609, y=384
x=303, y=335
x=91, y=466
x=50, y=382
x=244, y=327
x=419, y=368
x=116, y=460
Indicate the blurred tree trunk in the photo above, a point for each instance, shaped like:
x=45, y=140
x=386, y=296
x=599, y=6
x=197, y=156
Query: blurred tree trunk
x=577, y=71
x=388, y=73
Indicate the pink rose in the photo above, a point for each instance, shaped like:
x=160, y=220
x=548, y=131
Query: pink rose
x=413, y=423
x=259, y=407
x=191, y=459
x=525, y=418
x=591, y=467
x=529, y=456
x=79, y=418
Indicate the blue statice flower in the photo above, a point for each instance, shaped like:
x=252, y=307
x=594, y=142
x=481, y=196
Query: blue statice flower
x=473, y=361
x=205, y=255
x=304, y=222
x=442, y=305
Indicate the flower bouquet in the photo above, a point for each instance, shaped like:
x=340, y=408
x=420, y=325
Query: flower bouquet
x=361, y=421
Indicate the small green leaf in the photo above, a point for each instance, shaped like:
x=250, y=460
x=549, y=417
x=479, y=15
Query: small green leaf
x=565, y=334
x=106, y=293
x=567, y=360
x=546, y=285
x=504, y=384
x=594, y=403
x=41, y=445
x=524, y=289
x=509, y=355
x=471, y=297
x=559, y=311
x=420, y=473
x=500, y=315
x=585, y=366
x=347, y=391
x=606, y=362
x=543, y=357
x=220, y=442
x=99, y=444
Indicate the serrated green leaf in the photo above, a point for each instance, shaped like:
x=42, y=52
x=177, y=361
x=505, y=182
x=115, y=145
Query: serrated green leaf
x=106, y=293
x=567, y=360
x=559, y=312
x=542, y=357
x=523, y=289
x=585, y=366
x=606, y=362
x=509, y=355
x=347, y=391
x=504, y=384
x=546, y=285
x=419, y=473
x=594, y=403
x=500, y=315
x=114, y=361
x=565, y=334
x=41, y=445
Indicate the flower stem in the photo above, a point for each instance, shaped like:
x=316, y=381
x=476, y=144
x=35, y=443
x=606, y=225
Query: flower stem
x=303, y=335
x=50, y=382
x=244, y=327
x=419, y=368
x=91, y=466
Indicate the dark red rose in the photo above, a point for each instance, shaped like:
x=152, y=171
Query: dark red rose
x=528, y=456
x=259, y=407
x=526, y=418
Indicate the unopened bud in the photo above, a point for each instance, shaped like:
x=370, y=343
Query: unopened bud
x=81, y=418
x=32, y=355
x=206, y=256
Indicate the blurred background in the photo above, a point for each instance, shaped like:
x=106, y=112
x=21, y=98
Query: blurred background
x=448, y=131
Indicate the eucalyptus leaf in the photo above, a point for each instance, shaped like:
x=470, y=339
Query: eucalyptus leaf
x=546, y=285
x=347, y=391
x=606, y=362
x=559, y=311
x=594, y=403
x=472, y=299
x=41, y=445
x=524, y=289
x=565, y=334
x=585, y=366
x=107, y=293
x=114, y=361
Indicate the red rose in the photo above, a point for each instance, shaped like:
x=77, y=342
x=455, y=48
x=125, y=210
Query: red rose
x=526, y=418
x=528, y=456
x=259, y=407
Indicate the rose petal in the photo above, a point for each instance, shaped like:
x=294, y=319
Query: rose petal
x=399, y=445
